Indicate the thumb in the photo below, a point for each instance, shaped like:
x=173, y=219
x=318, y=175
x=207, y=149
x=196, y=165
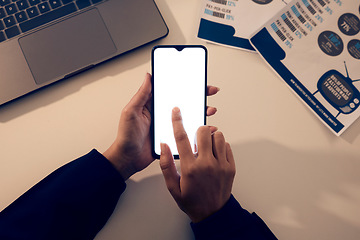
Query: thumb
x=143, y=94
x=168, y=168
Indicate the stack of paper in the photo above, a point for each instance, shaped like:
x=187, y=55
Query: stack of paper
x=313, y=45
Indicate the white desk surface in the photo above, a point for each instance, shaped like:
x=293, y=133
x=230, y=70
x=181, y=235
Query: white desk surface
x=297, y=175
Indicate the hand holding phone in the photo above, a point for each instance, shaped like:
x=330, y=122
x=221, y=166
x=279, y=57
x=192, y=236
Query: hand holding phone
x=179, y=80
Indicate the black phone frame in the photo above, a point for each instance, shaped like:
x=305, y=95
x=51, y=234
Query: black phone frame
x=152, y=128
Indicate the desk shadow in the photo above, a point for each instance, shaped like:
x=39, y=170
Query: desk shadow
x=300, y=194
x=59, y=90
x=147, y=211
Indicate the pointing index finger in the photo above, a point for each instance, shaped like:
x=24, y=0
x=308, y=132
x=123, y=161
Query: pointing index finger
x=181, y=138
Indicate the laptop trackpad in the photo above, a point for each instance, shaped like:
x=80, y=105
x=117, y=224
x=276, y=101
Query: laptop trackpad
x=68, y=46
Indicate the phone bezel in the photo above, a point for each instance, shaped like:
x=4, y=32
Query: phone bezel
x=152, y=128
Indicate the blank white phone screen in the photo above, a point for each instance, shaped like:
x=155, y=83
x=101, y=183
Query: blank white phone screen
x=179, y=81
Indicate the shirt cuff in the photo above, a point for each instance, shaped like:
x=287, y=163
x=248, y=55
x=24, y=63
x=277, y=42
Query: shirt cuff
x=232, y=222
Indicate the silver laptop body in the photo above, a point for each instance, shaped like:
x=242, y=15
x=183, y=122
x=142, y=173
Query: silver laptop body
x=87, y=35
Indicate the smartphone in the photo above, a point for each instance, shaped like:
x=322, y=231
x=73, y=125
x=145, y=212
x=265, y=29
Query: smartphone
x=179, y=79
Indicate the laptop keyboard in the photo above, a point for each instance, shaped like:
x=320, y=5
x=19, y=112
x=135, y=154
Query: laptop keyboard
x=20, y=16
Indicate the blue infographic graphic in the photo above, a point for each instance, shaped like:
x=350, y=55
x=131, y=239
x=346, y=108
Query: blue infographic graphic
x=354, y=48
x=262, y=1
x=339, y=91
x=330, y=43
x=308, y=43
x=232, y=22
x=349, y=24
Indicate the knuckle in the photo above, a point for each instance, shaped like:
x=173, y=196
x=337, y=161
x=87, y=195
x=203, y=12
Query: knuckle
x=181, y=136
x=204, y=130
x=228, y=146
x=223, y=170
x=128, y=112
x=165, y=165
x=209, y=169
x=231, y=171
x=190, y=173
x=219, y=135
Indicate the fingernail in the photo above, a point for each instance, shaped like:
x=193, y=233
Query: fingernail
x=176, y=111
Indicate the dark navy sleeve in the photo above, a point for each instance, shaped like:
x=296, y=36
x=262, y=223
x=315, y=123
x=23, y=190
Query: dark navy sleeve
x=73, y=202
x=230, y=223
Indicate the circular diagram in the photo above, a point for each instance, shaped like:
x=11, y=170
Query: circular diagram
x=263, y=2
x=349, y=24
x=354, y=48
x=330, y=43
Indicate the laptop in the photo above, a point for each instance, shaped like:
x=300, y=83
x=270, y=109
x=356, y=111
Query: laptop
x=43, y=41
